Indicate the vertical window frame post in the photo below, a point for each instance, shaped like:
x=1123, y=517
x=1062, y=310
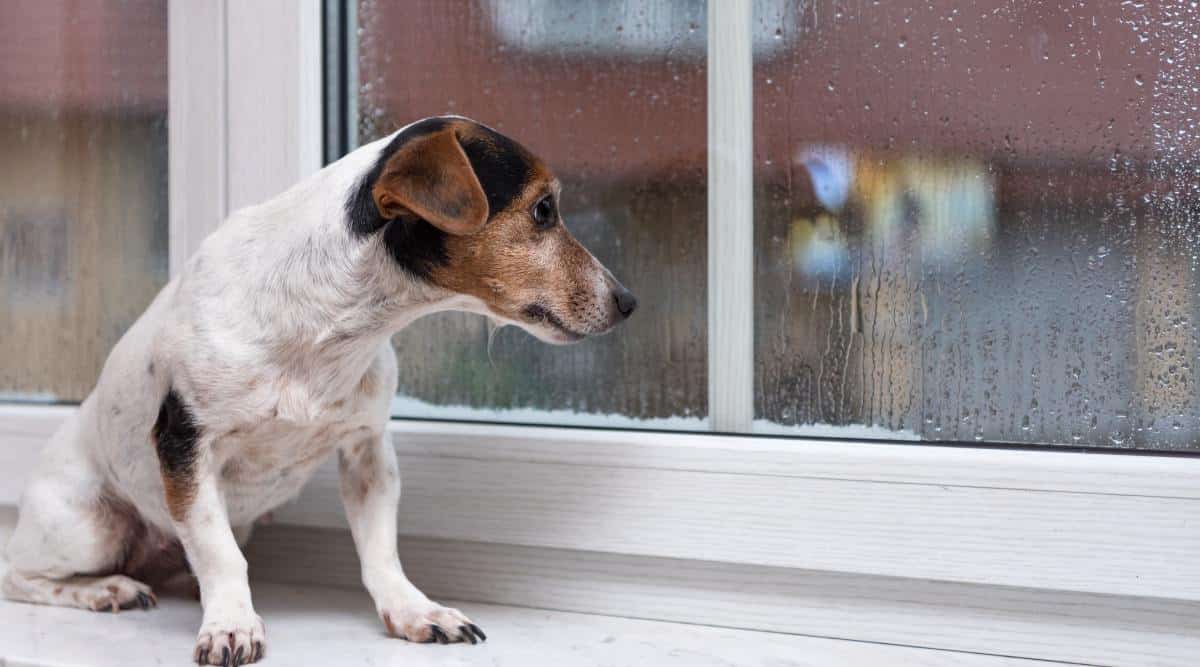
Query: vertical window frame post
x=730, y=216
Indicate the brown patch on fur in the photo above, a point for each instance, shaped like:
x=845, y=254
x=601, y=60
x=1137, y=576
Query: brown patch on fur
x=369, y=383
x=176, y=440
x=358, y=470
x=511, y=264
x=179, y=494
x=149, y=555
x=233, y=467
x=432, y=178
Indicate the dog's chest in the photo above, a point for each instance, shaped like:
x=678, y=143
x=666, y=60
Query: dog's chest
x=268, y=464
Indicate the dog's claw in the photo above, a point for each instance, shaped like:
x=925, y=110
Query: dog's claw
x=429, y=622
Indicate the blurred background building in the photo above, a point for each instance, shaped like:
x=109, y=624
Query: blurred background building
x=974, y=221
x=83, y=185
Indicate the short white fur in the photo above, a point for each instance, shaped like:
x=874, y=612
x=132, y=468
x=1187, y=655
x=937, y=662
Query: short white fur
x=276, y=333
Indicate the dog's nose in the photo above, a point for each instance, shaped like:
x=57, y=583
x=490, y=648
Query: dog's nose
x=626, y=301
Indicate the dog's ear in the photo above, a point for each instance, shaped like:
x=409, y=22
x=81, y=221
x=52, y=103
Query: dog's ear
x=432, y=178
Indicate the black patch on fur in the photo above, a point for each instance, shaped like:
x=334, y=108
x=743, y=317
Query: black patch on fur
x=175, y=437
x=361, y=211
x=502, y=166
x=416, y=245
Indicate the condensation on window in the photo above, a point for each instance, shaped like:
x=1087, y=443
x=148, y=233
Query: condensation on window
x=83, y=186
x=612, y=97
x=977, y=221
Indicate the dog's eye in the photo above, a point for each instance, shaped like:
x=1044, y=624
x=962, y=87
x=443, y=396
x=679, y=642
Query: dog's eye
x=543, y=212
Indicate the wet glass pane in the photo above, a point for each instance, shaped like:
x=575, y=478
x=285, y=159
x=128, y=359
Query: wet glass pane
x=978, y=221
x=83, y=186
x=612, y=97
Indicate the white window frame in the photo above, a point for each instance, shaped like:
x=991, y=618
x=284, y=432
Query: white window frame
x=1050, y=554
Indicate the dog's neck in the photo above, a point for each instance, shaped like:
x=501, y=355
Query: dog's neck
x=329, y=298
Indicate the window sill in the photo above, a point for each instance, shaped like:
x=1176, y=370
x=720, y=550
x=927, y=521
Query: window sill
x=320, y=625
x=1050, y=555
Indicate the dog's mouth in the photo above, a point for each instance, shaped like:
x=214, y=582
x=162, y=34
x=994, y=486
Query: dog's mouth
x=541, y=315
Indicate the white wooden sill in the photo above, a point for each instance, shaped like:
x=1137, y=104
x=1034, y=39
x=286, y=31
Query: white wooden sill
x=315, y=625
x=1051, y=555
x=321, y=627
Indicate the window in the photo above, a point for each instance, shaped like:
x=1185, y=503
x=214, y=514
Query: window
x=976, y=222
x=612, y=96
x=939, y=220
x=83, y=186
x=970, y=223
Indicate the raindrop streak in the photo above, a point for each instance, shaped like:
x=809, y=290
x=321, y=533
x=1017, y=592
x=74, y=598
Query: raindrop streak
x=1011, y=254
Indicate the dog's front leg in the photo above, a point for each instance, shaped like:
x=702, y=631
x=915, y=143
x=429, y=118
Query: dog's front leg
x=370, y=486
x=231, y=633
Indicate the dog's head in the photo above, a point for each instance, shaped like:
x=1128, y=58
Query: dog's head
x=472, y=211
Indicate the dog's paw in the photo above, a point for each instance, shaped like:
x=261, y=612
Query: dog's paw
x=231, y=641
x=116, y=593
x=429, y=622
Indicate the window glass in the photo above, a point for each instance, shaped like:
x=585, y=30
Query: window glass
x=83, y=186
x=612, y=97
x=977, y=221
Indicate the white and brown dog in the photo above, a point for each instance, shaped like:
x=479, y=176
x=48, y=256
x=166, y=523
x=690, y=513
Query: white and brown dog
x=270, y=352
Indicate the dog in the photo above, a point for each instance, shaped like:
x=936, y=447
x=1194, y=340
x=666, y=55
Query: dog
x=269, y=353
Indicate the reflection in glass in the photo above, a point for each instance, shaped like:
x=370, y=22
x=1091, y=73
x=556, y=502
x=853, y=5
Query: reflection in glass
x=83, y=186
x=611, y=96
x=976, y=221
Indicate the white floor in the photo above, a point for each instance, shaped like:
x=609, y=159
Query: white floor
x=327, y=626
x=335, y=627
